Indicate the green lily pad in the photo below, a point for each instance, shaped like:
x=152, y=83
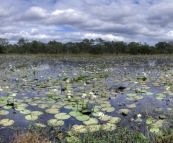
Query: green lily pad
x=131, y=95
x=148, y=93
x=52, y=111
x=6, y=122
x=55, y=122
x=154, y=130
x=160, y=96
x=108, y=127
x=40, y=125
x=95, y=113
x=43, y=106
x=131, y=105
x=62, y=116
x=91, y=121
x=79, y=129
x=36, y=113
x=82, y=117
x=105, y=118
x=150, y=120
x=138, y=120
x=25, y=111
x=31, y=117
x=3, y=112
x=20, y=108
x=108, y=109
x=114, y=120
x=124, y=111
x=75, y=113
x=8, y=106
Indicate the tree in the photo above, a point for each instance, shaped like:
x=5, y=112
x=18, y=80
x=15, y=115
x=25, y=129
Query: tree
x=3, y=43
x=22, y=41
x=55, y=47
x=134, y=47
x=161, y=46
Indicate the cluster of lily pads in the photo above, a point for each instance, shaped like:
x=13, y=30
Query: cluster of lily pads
x=98, y=92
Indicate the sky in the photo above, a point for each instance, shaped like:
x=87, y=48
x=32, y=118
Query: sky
x=149, y=21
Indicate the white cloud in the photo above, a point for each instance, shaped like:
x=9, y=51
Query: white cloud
x=35, y=13
x=146, y=20
x=34, y=31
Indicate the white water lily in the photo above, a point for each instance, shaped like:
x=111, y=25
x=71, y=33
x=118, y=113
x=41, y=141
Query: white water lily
x=84, y=95
x=69, y=97
x=91, y=93
x=14, y=94
x=67, y=80
x=101, y=114
x=168, y=88
x=139, y=115
x=69, y=94
x=84, y=84
x=145, y=75
x=93, y=96
x=166, y=75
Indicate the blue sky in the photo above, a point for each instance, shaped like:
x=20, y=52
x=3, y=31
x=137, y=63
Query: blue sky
x=148, y=21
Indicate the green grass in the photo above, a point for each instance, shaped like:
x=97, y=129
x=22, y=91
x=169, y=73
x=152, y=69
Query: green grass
x=58, y=135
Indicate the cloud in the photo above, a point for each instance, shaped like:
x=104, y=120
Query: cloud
x=133, y=20
x=34, y=13
x=34, y=31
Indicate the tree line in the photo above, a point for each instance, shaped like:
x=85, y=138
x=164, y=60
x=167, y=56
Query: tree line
x=90, y=46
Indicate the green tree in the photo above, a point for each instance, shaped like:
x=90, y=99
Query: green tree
x=3, y=44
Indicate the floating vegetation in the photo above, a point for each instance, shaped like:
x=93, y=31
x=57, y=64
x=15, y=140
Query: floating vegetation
x=84, y=92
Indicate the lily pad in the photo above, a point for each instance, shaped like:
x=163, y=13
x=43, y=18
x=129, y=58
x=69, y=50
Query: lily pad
x=62, y=116
x=52, y=111
x=3, y=112
x=75, y=113
x=114, y=120
x=124, y=111
x=91, y=121
x=25, y=111
x=108, y=127
x=154, y=130
x=79, y=128
x=82, y=117
x=108, y=109
x=131, y=106
x=6, y=122
x=40, y=125
x=55, y=122
x=31, y=117
x=36, y=113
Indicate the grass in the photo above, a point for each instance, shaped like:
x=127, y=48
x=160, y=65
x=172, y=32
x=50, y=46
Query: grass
x=121, y=135
x=29, y=137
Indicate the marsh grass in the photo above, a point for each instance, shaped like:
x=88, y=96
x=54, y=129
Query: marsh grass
x=35, y=134
x=29, y=137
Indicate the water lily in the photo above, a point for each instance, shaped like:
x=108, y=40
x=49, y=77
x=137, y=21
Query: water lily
x=84, y=95
x=93, y=96
x=145, y=75
x=101, y=114
x=139, y=115
x=69, y=94
x=69, y=97
x=67, y=81
x=91, y=93
x=168, y=88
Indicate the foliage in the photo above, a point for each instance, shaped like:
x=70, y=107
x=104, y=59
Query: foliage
x=91, y=46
